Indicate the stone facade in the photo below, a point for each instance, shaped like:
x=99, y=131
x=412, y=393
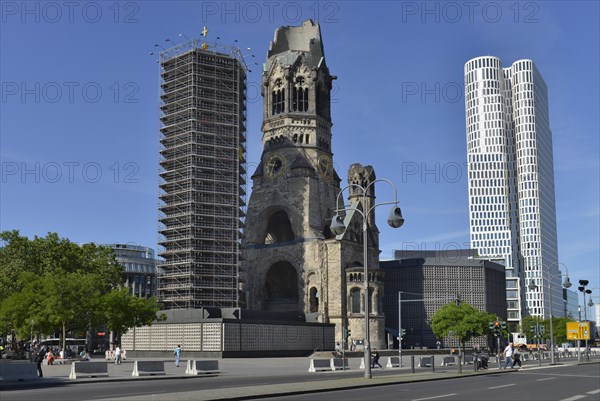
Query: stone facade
x=292, y=260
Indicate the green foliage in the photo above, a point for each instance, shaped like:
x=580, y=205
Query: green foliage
x=123, y=310
x=559, y=327
x=50, y=284
x=462, y=321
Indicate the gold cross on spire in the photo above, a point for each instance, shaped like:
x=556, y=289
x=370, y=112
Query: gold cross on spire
x=204, y=31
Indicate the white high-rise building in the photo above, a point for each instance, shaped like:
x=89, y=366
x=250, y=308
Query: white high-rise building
x=511, y=181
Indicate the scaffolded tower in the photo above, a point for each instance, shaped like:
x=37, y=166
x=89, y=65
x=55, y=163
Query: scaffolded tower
x=203, y=175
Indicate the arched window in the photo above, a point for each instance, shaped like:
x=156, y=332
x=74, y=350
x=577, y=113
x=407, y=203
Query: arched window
x=355, y=300
x=314, y=299
x=279, y=229
x=281, y=288
x=300, y=95
x=278, y=98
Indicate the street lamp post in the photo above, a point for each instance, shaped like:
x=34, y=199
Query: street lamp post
x=582, y=285
x=566, y=284
x=338, y=227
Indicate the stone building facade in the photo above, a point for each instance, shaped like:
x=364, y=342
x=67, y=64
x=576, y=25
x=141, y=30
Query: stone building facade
x=292, y=260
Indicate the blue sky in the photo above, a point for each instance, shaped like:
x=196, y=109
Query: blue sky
x=79, y=108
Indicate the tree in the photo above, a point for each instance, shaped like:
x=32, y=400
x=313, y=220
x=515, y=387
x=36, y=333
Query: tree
x=123, y=310
x=56, y=284
x=463, y=321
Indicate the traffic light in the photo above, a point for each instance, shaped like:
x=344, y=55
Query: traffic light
x=346, y=332
x=496, y=327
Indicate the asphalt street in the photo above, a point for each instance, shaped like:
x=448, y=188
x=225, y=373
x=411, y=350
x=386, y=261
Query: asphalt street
x=566, y=383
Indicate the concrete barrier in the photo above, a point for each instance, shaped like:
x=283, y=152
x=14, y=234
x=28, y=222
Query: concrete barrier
x=339, y=364
x=362, y=363
x=393, y=362
x=200, y=367
x=88, y=369
x=148, y=368
x=448, y=360
x=424, y=361
x=17, y=371
x=319, y=364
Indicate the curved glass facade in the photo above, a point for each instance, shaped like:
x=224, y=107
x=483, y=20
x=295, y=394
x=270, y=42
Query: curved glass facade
x=140, y=268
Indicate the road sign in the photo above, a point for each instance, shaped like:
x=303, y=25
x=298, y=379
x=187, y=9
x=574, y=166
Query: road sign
x=578, y=330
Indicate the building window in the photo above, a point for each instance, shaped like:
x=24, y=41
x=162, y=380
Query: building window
x=355, y=301
x=300, y=95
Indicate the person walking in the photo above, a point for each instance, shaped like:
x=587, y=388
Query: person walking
x=516, y=358
x=118, y=355
x=177, y=353
x=376, y=359
x=39, y=354
x=508, y=353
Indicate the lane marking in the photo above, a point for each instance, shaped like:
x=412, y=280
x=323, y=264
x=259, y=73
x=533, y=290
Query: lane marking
x=431, y=398
x=546, y=378
x=594, y=391
x=505, y=385
x=575, y=397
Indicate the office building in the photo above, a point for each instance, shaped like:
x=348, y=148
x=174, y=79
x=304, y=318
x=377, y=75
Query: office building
x=429, y=280
x=140, y=268
x=511, y=182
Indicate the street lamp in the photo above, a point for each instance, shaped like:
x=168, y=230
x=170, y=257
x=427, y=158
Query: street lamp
x=566, y=284
x=338, y=227
x=582, y=285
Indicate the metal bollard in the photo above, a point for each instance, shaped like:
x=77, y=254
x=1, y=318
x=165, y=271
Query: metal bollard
x=460, y=364
x=432, y=363
x=412, y=363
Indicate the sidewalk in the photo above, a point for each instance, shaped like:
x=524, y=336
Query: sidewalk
x=269, y=367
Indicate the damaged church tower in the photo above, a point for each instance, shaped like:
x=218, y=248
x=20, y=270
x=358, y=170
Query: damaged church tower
x=293, y=262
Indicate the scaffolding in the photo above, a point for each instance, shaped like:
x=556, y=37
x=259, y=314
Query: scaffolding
x=202, y=176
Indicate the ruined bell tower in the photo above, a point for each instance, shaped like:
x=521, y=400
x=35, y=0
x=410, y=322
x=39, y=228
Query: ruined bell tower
x=292, y=260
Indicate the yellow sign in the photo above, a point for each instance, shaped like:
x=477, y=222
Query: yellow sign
x=578, y=331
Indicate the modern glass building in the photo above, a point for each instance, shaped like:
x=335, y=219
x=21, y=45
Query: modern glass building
x=140, y=268
x=511, y=181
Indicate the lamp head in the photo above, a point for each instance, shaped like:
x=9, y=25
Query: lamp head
x=590, y=303
x=567, y=283
x=584, y=282
x=581, y=288
x=395, y=218
x=337, y=225
x=588, y=291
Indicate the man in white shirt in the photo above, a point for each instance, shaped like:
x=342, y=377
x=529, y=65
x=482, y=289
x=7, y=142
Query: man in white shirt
x=118, y=355
x=508, y=353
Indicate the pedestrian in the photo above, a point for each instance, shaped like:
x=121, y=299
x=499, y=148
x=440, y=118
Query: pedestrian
x=376, y=359
x=118, y=355
x=50, y=357
x=353, y=346
x=516, y=358
x=438, y=344
x=177, y=353
x=508, y=353
x=337, y=349
x=39, y=354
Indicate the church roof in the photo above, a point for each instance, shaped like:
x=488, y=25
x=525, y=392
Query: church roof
x=259, y=170
x=350, y=212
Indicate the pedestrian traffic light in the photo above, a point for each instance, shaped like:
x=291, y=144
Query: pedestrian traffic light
x=402, y=333
x=348, y=332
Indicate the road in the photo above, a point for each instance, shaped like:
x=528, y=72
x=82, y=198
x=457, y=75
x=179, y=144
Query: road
x=567, y=383
x=556, y=383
